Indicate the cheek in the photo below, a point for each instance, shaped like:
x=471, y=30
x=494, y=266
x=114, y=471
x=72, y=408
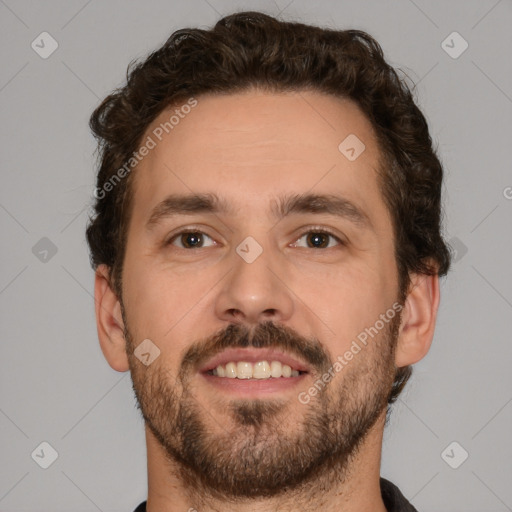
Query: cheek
x=146, y=297
x=345, y=301
x=164, y=305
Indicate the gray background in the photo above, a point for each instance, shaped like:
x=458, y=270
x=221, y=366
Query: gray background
x=55, y=384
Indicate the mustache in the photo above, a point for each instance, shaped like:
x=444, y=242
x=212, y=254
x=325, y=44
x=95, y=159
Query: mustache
x=263, y=335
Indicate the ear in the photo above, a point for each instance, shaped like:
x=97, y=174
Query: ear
x=418, y=320
x=109, y=321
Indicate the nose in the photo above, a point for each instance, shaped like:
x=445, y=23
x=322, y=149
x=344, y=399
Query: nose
x=255, y=292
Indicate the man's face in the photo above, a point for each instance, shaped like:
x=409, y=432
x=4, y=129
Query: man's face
x=260, y=282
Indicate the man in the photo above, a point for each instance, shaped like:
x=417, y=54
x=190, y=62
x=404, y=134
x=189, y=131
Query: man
x=267, y=247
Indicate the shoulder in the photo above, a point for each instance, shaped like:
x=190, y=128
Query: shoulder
x=141, y=507
x=393, y=499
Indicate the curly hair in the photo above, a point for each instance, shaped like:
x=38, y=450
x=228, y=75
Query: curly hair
x=249, y=50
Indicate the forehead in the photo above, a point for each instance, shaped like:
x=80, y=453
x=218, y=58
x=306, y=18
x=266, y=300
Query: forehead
x=253, y=145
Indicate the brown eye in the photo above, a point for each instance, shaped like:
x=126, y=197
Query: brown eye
x=189, y=239
x=319, y=239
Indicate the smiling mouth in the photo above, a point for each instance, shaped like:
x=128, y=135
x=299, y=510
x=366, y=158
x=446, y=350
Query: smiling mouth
x=261, y=370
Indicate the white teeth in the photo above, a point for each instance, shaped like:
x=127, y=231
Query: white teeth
x=259, y=370
x=230, y=370
x=244, y=370
x=276, y=368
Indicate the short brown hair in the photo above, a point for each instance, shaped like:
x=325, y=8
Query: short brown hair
x=253, y=50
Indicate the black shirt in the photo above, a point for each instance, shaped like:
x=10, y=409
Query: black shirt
x=393, y=499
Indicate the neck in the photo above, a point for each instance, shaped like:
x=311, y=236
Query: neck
x=357, y=490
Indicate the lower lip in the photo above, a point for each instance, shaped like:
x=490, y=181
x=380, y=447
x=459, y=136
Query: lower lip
x=254, y=387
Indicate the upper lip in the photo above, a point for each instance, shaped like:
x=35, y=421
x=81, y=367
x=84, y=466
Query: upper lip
x=253, y=355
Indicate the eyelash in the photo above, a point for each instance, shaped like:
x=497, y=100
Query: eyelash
x=311, y=229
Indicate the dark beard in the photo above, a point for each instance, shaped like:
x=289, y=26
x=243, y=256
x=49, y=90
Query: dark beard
x=260, y=458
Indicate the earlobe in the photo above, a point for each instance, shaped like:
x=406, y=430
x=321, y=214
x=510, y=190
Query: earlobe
x=418, y=320
x=109, y=321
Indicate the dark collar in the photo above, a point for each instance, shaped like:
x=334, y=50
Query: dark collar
x=393, y=499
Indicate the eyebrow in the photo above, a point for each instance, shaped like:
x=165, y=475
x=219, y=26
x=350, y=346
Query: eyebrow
x=281, y=207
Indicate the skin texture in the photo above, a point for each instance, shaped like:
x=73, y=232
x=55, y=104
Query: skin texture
x=250, y=148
